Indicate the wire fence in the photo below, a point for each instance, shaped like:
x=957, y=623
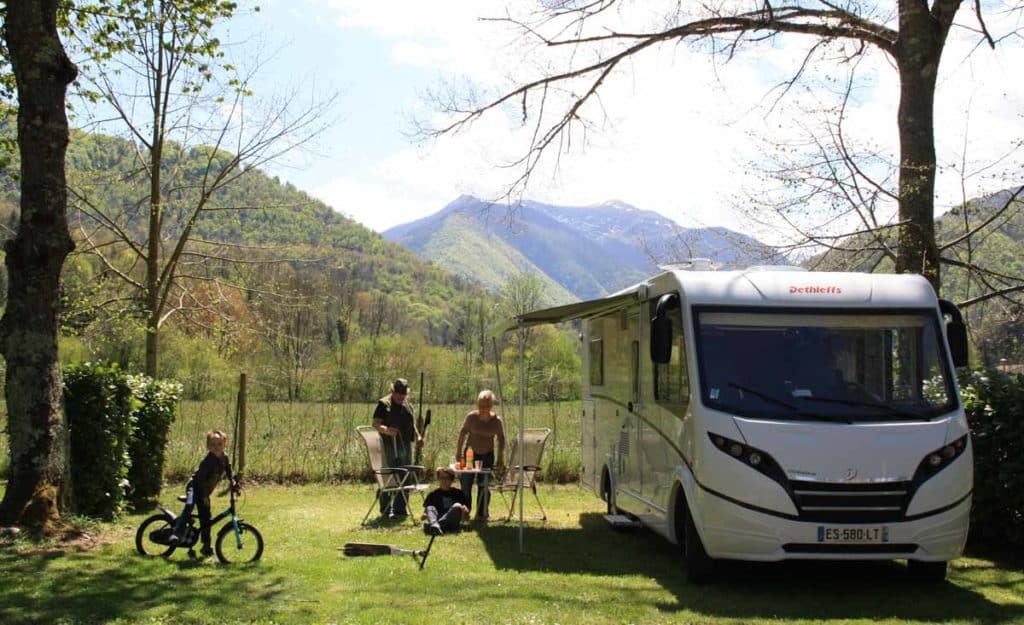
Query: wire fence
x=312, y=442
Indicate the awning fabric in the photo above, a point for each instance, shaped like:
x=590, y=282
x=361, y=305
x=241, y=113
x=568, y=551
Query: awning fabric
x=558, y=314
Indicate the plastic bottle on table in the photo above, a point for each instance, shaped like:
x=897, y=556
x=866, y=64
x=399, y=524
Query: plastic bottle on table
x=469, y=457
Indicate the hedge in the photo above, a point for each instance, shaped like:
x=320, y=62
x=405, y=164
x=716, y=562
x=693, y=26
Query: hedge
x=156, y=411
x=100, y=408
x=118, y=426
x=994, y=402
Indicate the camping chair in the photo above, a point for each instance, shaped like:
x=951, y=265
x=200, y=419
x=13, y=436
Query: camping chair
x=401, y=480
x=533, y=441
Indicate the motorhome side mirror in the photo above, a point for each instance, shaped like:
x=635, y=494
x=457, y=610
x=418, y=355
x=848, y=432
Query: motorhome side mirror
x=661, y=340
x=956, y=333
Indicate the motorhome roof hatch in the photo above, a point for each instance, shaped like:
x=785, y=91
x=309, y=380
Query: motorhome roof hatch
x=691, y=264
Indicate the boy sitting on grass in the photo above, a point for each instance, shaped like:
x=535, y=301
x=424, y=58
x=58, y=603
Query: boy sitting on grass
x=445, y=507
x=199, y=488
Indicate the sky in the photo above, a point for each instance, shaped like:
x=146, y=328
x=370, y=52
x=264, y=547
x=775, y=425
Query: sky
x=676, y=131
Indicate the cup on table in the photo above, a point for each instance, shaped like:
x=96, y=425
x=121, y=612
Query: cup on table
x=478, y=465
x=458, y=464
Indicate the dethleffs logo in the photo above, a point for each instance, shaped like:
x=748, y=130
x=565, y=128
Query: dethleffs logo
x=815, y=289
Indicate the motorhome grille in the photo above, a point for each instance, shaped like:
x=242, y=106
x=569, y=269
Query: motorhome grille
x=623, y=443
x=850, y=503
x=819, y=548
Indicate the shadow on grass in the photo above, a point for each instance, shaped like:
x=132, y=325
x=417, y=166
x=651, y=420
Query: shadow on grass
x=384, y=522
x=1006, y=559
x=792, y=590
x=48, y=587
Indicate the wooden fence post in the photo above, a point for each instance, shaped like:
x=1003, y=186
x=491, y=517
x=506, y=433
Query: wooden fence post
x=241, y=422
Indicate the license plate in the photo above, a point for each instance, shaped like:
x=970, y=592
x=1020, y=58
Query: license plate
x=854, y=535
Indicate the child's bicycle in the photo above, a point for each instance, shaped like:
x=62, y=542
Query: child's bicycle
x=237, y=541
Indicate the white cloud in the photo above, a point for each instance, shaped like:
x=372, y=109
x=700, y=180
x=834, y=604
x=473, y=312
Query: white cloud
x=418, y=181
x=453, y=36
x=672, y=129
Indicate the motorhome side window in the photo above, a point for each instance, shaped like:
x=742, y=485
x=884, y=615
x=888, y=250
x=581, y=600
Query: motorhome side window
x=596, y=362
x=671, y=385
x=634, y=371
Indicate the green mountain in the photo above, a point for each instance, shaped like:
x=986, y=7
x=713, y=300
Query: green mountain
x=581, y=252
x=464, y=250
x=270, y=219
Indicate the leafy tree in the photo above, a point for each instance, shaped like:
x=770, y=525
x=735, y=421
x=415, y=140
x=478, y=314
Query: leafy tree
x=34, y=257
x=291, y=318
x=912, y=35
x=522, y=294
x=159, y=69
x=983, y=268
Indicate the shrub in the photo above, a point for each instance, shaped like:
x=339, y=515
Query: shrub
x=99, y=405
x=157, y=409
x=994, y=403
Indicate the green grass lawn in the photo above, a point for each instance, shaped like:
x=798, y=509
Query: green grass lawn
x=575, y=570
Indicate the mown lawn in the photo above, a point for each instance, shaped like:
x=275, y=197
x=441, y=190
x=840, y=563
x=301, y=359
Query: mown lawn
x=575, y=570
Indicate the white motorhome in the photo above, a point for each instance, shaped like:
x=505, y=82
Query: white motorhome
x=775, y=413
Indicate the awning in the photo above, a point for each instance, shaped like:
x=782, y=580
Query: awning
x=558, y=314
x=579, y=310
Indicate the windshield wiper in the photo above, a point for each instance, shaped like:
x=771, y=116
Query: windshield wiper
x=897, y=412
x=785, y=404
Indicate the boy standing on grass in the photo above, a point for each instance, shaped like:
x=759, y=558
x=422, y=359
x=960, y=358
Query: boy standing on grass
x=445, y=507
x=201, y=485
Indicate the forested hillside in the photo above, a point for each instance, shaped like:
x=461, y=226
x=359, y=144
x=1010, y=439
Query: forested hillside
x=990, y=260
x=311, y=303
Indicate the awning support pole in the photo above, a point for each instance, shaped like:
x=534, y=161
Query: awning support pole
x=522, y=428
x=497, y=375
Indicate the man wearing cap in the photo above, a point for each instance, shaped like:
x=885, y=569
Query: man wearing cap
x=394, y=420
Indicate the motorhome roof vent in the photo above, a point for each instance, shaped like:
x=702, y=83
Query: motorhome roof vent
x=691, y=264
x=776, y=268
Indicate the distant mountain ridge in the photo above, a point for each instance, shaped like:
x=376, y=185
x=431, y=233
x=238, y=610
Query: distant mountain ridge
x=580, y=252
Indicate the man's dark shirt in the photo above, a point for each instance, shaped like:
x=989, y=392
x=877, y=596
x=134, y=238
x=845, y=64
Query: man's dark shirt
x=396, y=416
x=210, y=470
x=442, y=499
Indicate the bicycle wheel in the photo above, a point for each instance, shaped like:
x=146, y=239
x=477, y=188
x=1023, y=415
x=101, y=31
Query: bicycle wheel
x=248, y=547
x=144, y=542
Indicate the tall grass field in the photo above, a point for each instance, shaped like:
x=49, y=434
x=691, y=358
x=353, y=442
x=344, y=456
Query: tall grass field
x=315, y=442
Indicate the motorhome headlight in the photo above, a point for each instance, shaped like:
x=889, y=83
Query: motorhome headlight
x=939, y=459
x=750, y=456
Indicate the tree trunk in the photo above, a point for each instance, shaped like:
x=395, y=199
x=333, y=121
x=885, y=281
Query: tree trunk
x=153, y=299
x=28, y=331
x=152, y=295
x=152, y=341
x=918, y=51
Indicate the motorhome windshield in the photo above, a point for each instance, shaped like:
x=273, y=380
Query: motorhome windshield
x=810, y=365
